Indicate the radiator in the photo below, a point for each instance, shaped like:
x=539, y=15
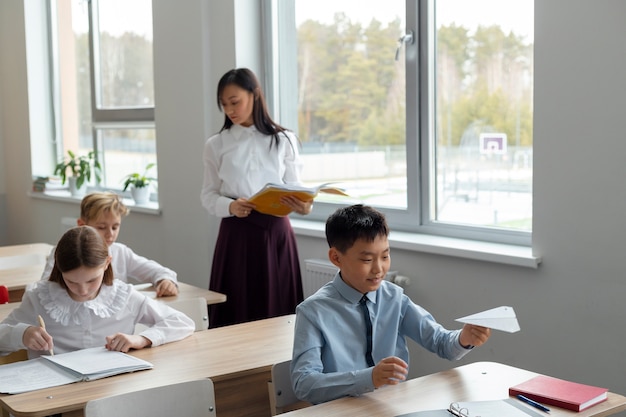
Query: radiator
x=318, y=272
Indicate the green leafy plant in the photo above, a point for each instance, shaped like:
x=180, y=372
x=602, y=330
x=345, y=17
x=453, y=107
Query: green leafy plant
x=138, y=180
x=82, y=167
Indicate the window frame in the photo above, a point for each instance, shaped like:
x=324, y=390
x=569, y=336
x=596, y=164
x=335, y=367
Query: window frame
x=102, y=119
x=420, y=137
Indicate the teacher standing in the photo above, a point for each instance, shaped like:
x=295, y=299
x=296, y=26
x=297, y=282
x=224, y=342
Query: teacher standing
x=255, y=262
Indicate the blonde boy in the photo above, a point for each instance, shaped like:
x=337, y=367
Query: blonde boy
x=104, y=212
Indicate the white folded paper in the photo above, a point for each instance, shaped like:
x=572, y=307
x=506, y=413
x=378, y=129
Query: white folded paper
x=499, y=318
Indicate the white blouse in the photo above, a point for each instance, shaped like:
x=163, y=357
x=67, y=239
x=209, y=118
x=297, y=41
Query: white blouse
x=238, y=162
x=78, y=325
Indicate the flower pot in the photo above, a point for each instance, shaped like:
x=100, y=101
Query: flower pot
x=75, y=191
x=140, y=195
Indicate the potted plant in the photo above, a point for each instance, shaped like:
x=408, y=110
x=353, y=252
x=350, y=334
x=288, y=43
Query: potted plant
x=81, y=168
x=140, y=184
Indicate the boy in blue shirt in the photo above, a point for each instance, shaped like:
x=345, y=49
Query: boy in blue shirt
x=332, y=356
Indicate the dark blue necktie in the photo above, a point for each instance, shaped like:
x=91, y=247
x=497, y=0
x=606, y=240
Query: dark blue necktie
x=368, y=330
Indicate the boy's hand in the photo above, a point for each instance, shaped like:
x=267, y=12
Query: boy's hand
x=165, y=288
x=389, y=371
x=473, y=335
x=124, y=342
x=36, y=338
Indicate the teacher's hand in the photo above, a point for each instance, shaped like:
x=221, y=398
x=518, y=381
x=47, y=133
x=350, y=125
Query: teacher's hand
x=241, y=207
x=297, y=205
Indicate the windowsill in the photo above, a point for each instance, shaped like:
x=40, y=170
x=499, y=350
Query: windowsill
x=151, y=207
x=438, y=245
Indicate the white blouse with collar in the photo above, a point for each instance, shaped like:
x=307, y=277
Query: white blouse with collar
x=78, y=325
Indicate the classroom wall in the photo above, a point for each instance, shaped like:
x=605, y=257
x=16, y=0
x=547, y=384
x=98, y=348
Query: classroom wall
x=571, y=309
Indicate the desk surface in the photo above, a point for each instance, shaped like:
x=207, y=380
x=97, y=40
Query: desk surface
x=474, y=382
x=218, y=354
x=185, y=291
x=26, y=249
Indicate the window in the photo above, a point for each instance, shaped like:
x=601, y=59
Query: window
x=102, y=70
x=422, y=109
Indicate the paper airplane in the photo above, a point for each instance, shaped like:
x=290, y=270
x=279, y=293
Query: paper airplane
x=499, y=318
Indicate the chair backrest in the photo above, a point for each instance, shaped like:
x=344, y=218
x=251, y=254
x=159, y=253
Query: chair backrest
x=195, y=308
x=192, y=398
x=282, y=397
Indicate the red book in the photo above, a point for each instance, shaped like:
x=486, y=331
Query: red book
x=560, y=393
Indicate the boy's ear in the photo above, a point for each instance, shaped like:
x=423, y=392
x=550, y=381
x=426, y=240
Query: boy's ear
x=334, y=257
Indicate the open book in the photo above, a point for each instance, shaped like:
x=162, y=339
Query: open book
x=66, y=368
x=493, y=408
x=267, y=199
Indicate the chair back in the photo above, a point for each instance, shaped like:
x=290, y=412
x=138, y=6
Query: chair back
x=191, y=398
x=195, y=308
x=282, y=397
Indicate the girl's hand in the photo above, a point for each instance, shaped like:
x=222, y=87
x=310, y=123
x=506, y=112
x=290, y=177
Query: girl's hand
x=36, y=338
x=297, y=205
x=241, y=207
x=124, y=342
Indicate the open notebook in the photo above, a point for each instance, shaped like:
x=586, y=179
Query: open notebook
x=494, y=408
x=66, y=368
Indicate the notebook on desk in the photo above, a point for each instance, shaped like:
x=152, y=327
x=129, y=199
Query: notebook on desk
x=66, y=368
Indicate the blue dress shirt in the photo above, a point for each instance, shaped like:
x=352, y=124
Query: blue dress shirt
x=330, y=340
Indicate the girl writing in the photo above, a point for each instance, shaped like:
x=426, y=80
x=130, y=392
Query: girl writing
x=82, y=306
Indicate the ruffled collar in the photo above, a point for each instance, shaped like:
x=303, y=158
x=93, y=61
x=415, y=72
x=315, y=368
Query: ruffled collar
x=62, y=309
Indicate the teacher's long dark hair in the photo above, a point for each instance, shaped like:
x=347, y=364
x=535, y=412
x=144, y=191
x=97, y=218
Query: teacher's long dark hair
x=245, y=78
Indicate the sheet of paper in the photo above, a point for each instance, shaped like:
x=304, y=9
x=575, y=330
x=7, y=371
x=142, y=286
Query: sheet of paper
x=31, y=375
x=500, y=318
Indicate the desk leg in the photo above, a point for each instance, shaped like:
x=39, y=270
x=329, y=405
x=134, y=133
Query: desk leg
x=243, y=395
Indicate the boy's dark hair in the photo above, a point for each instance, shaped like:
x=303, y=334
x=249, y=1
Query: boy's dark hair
x=348, y=224
x=80, y=246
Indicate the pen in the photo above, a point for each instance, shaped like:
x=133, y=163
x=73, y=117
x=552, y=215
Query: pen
x=533, y=403
x=43, y=326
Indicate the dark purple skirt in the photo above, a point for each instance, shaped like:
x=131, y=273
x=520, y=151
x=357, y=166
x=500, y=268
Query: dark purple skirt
x=256, y=265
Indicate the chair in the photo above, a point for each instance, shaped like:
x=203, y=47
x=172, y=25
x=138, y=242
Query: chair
x=191, y=398
x=282, y=397
x=195, y=308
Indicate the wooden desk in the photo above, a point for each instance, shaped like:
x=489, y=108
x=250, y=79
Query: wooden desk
x=20, y=265
x=185, y=291
x=237, y=358
x=27, y=249
x=474, y=382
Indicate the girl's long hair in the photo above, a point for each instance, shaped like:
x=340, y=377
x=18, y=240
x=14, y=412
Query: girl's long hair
x=80, y=246
x=245, y=78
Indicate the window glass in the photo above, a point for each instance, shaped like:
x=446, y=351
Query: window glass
x=124, y=54
x=109, y=109
x=126, y=150
x=483, y=117
x=430, y=122
x=351, y=97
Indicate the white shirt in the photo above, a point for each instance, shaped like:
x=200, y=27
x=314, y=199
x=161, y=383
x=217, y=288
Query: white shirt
x=126, y=264
x=238, y=162
x=78, y=325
